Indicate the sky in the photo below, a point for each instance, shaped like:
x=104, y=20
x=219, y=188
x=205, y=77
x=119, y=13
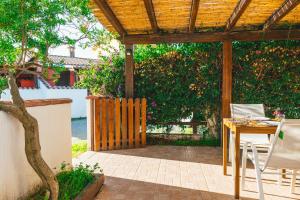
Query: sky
x=79, y=52
x=72, y=32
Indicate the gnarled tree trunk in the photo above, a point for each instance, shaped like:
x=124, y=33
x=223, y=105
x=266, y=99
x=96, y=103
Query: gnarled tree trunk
x=211, y=119
x=32, y=142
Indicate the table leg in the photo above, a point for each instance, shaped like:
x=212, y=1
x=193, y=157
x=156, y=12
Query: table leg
x=237, y=165
x=225, y=135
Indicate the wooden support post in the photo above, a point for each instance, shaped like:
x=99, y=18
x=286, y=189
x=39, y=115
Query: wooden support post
x=227, y=79
x=129, y=68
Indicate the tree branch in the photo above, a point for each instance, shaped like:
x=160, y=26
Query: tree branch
x=14, y=91
x=11, y=109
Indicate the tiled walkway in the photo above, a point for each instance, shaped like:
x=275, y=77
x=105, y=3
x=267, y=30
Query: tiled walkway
x=169, y=172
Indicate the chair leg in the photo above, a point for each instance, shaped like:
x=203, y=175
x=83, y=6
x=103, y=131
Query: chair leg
x=230, y=148
x=244, y=165
x=232, y=156
x=293, y=182
x=258, y=175
x=259, y=185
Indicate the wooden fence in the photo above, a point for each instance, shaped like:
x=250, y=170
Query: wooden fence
x=117, y=123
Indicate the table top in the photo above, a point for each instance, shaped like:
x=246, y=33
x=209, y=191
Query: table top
x=252, y=127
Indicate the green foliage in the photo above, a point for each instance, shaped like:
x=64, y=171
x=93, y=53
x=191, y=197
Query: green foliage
x=211, y=141
x=104, y=79
x=28, y=28
x=3, y=84
x=183, y=80
x=71, y=181
x=268, y=73
x=79, y=148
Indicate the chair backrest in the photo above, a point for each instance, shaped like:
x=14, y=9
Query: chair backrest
x=285, y=146
x=242, y=110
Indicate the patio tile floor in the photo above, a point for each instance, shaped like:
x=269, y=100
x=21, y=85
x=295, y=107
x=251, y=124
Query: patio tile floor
x=172, y=172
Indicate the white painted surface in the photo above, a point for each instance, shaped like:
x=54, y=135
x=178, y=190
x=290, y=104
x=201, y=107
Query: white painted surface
x=88, y=122
x=16, y=175
x=77, y=95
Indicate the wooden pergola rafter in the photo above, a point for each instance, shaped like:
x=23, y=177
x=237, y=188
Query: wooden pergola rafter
x=151, y=15
x=193, y=15
x=111, y=17
x=236, y=14
x=285, y=8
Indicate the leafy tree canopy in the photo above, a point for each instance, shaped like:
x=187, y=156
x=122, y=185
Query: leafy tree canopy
x=28, y=28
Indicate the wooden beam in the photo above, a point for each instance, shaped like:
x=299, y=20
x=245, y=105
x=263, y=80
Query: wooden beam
x=111, y=17
x=129, y=68
x=282, y=11
x=151, y=15
x=212, y=37
x=236, y=14
x=227, y=79
x=173, y=38
x=193, y=15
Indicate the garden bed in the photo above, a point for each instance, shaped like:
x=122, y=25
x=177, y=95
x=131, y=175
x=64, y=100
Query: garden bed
x=92, y=189
x=79, y=183
x=181, y=140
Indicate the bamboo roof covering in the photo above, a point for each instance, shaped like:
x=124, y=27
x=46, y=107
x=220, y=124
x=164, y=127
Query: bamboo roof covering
x=132, y=15
x=148, y=17
x=258, y=12
x=170, y=13
x=293, y=17
x=214, y=13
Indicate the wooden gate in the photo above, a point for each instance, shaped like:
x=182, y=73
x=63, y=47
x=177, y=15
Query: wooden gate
x=117, y=123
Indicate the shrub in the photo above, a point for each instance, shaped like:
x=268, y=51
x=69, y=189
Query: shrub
x=71, y=181
x=184, y=80
x=268, y=73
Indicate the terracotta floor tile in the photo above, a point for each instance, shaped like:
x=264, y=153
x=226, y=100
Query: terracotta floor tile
x=175, y=173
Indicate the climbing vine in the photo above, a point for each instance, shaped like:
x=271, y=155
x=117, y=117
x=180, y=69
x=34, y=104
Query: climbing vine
x=184, y=80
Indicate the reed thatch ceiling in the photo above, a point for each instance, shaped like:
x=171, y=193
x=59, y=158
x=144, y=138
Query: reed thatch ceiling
x=147, y=17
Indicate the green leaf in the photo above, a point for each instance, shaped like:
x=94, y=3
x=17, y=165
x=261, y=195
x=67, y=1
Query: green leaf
x=281, y=135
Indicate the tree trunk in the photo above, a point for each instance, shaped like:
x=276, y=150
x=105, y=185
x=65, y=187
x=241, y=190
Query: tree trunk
x=211, y=119
x=194, y=126
x=32, y=142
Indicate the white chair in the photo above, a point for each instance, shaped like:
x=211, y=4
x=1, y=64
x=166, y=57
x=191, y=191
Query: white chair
x=254, y=111
x=283, y=153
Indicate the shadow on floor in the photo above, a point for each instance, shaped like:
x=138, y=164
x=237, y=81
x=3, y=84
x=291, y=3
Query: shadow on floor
x=124, y=189
x=208, y=155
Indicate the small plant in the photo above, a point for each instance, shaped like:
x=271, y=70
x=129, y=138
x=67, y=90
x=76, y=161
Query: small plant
x=71, y=181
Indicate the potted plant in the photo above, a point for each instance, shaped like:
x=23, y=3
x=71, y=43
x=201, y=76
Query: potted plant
x=78, y=183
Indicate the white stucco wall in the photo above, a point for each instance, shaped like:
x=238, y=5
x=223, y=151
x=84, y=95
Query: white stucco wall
x=77, y=95
x=16, y=175
x=88, y=122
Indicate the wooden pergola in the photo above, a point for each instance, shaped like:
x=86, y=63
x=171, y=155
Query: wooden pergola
x=177, y=21
x=180, y=21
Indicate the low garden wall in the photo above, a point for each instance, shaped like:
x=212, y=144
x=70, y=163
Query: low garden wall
x=17, y=178
x=44, y=92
